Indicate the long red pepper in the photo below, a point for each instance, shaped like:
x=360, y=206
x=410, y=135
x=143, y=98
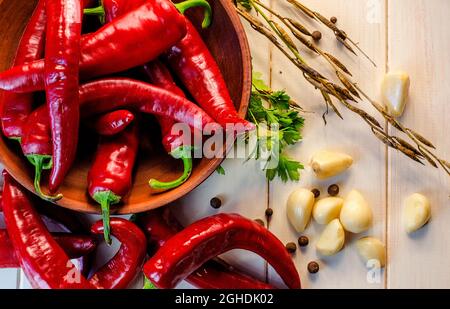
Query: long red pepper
x=15, y=108
x=113, y=122
x=110, y=175
x=203, y=240
x=44, y=262
x=75, y=247
x=123, y=268
x=62, y=58
x=194, y=65
x=130, y=41
x=159, y=226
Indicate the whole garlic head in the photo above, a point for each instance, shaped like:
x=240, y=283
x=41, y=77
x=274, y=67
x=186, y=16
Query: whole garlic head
x=369, y=249
x=417, y=212
x=299, y=207
x=356, y=215
x=332, y=239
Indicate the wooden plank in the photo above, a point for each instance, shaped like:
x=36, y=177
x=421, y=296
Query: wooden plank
x=345, y=270
x=419, y=44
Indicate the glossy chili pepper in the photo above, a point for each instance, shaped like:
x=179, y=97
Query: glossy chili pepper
x=159, y=225
x=15, y=108
x=113, y=122
x=75, y=247
x=43, y=261
x=194, y=65
x=131, y=40
x=123, y=268
x=160, y=76
x=111, y=172
x=205, y=239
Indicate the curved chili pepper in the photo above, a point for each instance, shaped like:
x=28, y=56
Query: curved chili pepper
x=159, y=226
x=43, y=261
x=194, y=65
x=142, y=35
x=62, y=59
x=15, y=108
x=75, y=247
x=110, y=175
x=123, y=268
x=113, y=122
x=173, y=143
x=205, y=239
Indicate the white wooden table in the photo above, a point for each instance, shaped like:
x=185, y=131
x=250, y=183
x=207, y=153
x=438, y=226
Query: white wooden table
x=411, y=35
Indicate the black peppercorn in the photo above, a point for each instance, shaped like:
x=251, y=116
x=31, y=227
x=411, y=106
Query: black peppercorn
x=316, y=192
x=269, y=212
x=317, y=35
x=333, y=190
x=313, y=267
x=291, y=247
x=333, y=19
x=303, y=241
x=215, y=202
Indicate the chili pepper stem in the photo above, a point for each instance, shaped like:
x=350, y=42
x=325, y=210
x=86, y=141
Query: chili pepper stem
x=148, y=285
x=185, y=5
x=97, y=11
x=42, y=162
x=106, y=199
x=183, y=153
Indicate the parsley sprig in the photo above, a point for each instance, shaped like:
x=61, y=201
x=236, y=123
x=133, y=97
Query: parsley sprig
x=268, y=109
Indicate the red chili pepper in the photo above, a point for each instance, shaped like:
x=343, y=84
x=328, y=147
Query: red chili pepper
x=205, y=239
x=43, y=261
x=15, y=108
x=160, y=76
x=194, y=65
x=62, y=58
x=110, y=175
x=123, y=268
x=159, y=226
x=75, y=247
x=114, y=122
x=131, y=40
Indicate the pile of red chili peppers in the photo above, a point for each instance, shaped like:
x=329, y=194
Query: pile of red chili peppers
x=55, y=56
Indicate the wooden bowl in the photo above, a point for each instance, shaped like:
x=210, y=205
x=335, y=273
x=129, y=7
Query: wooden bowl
x=227, y=42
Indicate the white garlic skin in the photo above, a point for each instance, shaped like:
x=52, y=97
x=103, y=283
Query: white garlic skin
x=299, y=207
x=395, y=91
x=332, y=239
x=416, y=213
x=326, y=164
x=356, y=215
x=327, y=209
x=370, y=248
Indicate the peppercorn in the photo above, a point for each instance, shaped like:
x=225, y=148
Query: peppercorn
x=215, y=202
x=333, y=19
x=303, y=241
x=269, y=212
x=333, y=190
x=291, y=247
x=313, y=267
x=260, y=222
x=317, y=35
x=316, y=192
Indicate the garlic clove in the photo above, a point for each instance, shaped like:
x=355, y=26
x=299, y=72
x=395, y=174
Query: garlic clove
x=327, y=209
x=299, y=208
x=356, y=215
x=417, y=212
x=326, y=164
x=395, y=89
x=372, y=250
x=332, y=239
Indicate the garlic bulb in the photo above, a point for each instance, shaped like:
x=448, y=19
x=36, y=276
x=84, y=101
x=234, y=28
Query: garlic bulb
x=356, y=215
x=417, y=212
x=370, y=248
x=326, y=164
x=332, y=239
x=327, y=209
x=395, y=89
x=299, y=207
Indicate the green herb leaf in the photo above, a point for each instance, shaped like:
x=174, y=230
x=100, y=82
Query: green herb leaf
x=220, y=170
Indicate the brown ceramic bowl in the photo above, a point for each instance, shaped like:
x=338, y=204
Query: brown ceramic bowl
x=226, y=40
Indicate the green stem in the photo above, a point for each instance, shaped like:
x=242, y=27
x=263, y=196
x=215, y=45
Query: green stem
x=185, y=5
x=42, y=162
x=97, y=11
x=183, y=153
x=148, y=285
x=106, y=199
